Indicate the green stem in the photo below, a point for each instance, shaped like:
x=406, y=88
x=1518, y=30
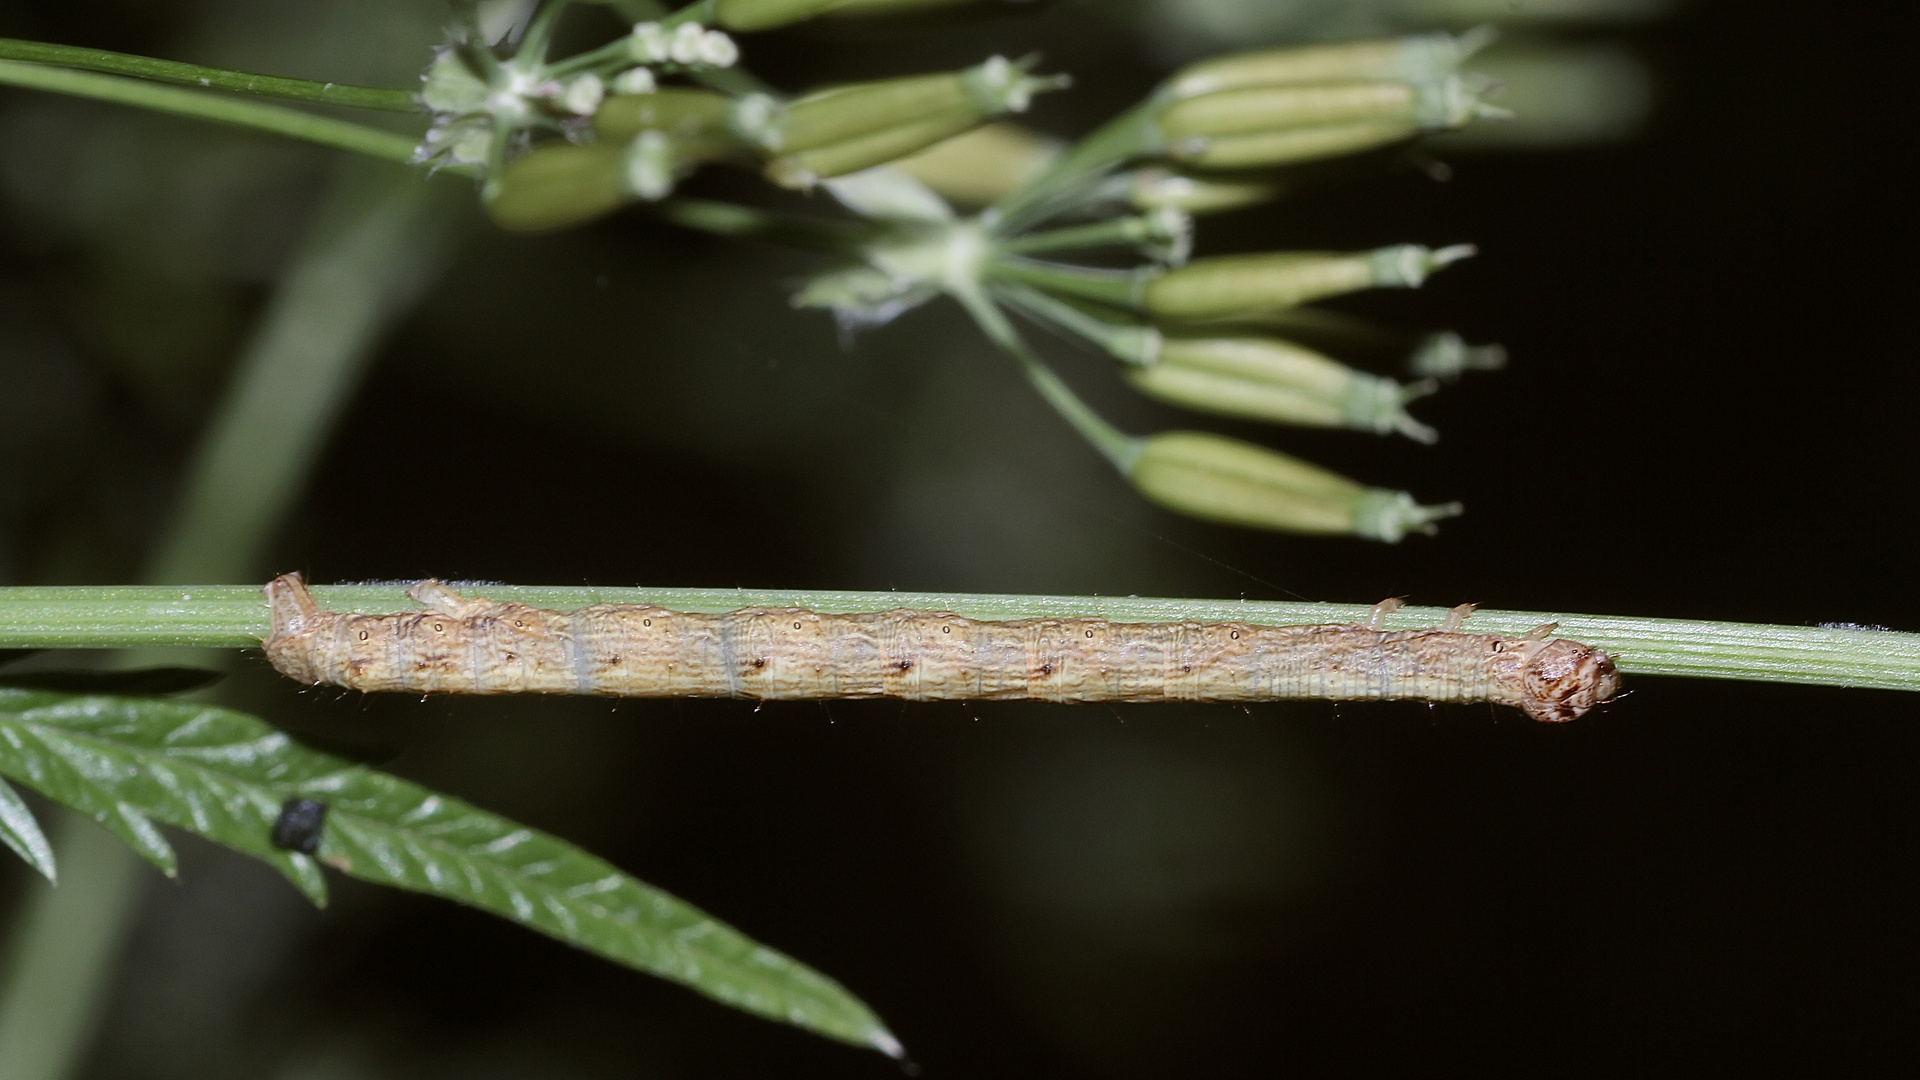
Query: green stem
x=278, y=119
x=235, y=616
x=746, y=222
x=1132, y=134
x=1128, y=341
x=1115, y=445
x=173, y=71
x=367, y=254
x=1121, y=288
x=1115, y=232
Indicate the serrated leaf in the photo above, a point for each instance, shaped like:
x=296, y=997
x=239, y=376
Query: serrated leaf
x=224, y=775
x=19, y=831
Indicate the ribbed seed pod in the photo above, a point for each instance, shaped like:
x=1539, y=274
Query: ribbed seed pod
x=557, y=185
x=1415, y=59
x=677, y=111
x=1226, y=480
x=1262, y=378
x=1229, y=285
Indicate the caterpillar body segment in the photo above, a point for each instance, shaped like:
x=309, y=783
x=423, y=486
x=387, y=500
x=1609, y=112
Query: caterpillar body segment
x=476, y=646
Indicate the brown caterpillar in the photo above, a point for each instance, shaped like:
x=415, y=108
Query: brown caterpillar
x=476, y=646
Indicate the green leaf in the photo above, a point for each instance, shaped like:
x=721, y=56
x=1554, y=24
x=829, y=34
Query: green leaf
x=224, y=775
x=19, y=831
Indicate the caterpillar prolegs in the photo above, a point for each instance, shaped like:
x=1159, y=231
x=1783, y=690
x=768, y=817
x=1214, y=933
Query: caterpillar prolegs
x=475, y=646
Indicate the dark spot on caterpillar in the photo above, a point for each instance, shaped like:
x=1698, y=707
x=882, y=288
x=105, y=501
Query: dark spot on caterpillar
x=646, y=622
x=905, y=664
x=796, y=626
x=1089, y=633
x=509, y=657
x=438, y=628
x=946, y=629
x=759, y=661
x=299, y=826
x=521, y=623
x=363, y=635
x=613, y=660
x=1046, y=669
x=1235, y=635
x=1186, y=667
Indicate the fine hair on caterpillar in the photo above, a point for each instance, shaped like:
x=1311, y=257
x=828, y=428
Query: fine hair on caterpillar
x=469, y=645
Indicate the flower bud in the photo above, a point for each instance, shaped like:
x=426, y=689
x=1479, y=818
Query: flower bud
x=1220, y=479
x=1418, y=59
x=1277, y=381
x=583, y=95
x=562, y=184
x=1236, y=285
x=1447, y=356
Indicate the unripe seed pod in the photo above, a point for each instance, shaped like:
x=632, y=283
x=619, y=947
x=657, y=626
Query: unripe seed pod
x=1289, y=146
x=677, y=111
x=1220, y=479
x=802, y=170
x=1418, y=59
x=1262, y=109
x=982, y=166
x=557, y=185
x=1277, y=381
x=1232, y=285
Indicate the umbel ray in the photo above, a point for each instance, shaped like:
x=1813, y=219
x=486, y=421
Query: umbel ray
x=470, y=645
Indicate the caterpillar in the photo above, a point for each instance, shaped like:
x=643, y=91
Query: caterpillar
x=475, y=646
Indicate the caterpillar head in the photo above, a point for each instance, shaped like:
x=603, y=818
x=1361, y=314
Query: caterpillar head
x=1564, y=679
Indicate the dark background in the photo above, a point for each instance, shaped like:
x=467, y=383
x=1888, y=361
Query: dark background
x=1708, y=415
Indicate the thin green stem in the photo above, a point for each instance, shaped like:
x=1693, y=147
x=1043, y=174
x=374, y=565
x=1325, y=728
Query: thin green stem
x=173, y=71
x=278, y=119
x=235, y=616
x=1128, y=341
x=1121, y=288
x=1115, y=445
x=368, y=254
x=1115, y=232
x=1132, y=134
x=747, y=222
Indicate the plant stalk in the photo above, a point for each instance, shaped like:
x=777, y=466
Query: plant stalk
x=173, y=71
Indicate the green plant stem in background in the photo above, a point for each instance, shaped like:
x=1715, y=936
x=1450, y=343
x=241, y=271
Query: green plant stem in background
x=205, y=105
x=235, y=616
x=367, y=256
x=173, y=71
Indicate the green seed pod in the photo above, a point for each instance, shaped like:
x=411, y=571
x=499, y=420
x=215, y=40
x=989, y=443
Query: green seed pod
x=1236, y=285
x=562, y=184
x=1220, y=479
x=1260, y=378
x=557, y=185
x=1267, y=108
x=677, y=111
x=1418, y=59
x=848, y=112
x=806, y=168
x=982, y=166
x=750, y=15
x=1290, y=146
